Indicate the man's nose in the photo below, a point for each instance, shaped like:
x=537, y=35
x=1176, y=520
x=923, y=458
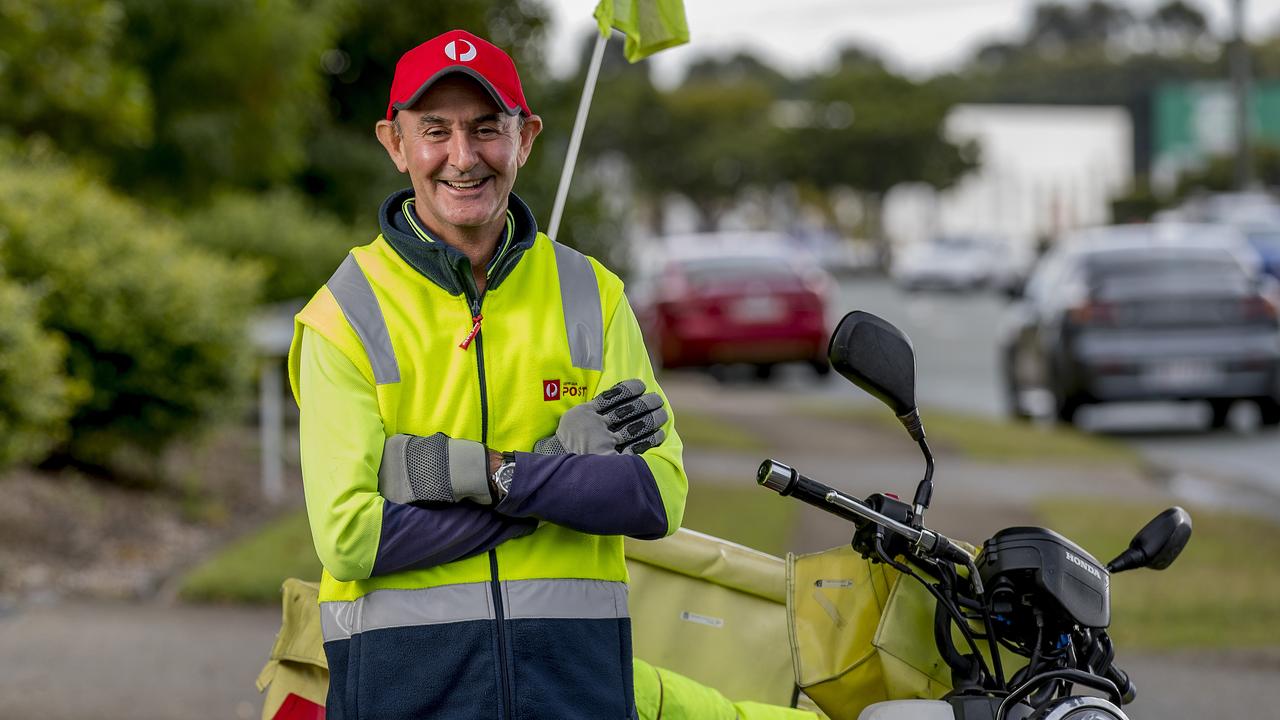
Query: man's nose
x=462, y=154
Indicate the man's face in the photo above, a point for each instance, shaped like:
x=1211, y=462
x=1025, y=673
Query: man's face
x=461, y=152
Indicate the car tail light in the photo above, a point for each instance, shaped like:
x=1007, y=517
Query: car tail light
x=1091, y=312
x=1258, y=307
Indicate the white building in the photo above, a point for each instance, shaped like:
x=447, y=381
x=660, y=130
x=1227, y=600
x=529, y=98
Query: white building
x=1043, y=169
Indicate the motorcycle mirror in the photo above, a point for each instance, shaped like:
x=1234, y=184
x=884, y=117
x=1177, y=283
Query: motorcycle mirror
x=877, y=357
x=1157, y=544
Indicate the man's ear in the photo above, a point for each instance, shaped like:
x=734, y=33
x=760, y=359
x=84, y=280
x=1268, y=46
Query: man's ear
x=393, y=142
x=532, y=126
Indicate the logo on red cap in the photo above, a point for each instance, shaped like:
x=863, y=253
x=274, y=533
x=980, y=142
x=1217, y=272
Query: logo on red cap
x=457, y=51
x=451, y=51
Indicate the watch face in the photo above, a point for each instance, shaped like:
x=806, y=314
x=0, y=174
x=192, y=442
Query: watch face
x=503, y=476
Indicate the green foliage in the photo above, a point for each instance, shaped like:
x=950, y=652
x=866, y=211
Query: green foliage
x=155, y=328
x=60, y=74
x=297, y=246
x=1137, y=205
x=237, y=88
x=871, y=129
x=1218, y=174
x=35, y=396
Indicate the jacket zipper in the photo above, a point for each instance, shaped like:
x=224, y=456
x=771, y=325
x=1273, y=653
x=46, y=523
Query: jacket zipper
x=495, y=586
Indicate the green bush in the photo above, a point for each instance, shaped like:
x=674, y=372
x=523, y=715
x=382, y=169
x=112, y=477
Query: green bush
x=35, y=396
x=155, y=328
x=297, y=246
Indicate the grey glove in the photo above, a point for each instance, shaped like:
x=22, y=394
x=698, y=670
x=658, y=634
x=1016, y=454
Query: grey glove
x=435, y=468
x=623, y=419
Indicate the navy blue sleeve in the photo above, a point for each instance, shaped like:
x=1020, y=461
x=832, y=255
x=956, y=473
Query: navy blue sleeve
x=416, y=537
x=597, y=494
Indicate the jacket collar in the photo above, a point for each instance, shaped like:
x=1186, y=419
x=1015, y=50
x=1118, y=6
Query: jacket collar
x=443, y=264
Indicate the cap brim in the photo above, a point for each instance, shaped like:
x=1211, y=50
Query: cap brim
x=507, y=107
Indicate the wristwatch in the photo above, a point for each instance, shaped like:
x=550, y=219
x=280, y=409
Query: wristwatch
x=500, y=482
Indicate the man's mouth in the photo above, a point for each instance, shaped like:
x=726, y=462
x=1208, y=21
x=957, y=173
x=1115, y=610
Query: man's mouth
x=465, y=184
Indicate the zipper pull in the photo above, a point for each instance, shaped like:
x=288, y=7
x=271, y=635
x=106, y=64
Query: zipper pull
x=475, y=330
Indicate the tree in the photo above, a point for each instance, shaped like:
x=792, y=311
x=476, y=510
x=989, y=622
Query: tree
x=890, y=132
x=61, y=75
x=1179, y=27
x=237, y=91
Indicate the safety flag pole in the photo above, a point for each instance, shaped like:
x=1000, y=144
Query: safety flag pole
x=575, y=140
x=650, y=26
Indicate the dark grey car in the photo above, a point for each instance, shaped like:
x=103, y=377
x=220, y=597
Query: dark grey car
x=1154, y=312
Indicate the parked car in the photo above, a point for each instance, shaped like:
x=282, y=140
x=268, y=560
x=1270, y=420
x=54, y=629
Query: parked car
x=1265, y=240
x=1146, y=312
x=956, y=262
x=707, y=305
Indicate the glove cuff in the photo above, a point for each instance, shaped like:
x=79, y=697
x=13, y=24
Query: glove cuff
x=469, y=471
x=393, y=472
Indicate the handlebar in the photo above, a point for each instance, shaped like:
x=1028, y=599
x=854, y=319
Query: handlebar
x=785, y=480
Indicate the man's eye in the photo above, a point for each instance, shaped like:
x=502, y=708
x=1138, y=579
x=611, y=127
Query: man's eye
x=436, y=134
x=486, y=132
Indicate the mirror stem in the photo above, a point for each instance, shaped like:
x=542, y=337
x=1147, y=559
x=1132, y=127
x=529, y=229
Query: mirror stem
x=924, y=491
x=915, y=427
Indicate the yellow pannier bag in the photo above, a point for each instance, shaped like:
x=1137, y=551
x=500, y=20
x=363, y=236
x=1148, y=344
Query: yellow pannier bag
x=710, y=613
x=862, y=633
x=713, y=611
x=297, y=665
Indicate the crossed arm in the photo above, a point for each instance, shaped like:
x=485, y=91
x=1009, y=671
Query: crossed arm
x=358, y=533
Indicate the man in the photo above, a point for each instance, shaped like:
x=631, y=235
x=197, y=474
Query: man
x=480, y=425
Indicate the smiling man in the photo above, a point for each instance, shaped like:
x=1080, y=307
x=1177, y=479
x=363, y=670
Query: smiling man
x=479, y=426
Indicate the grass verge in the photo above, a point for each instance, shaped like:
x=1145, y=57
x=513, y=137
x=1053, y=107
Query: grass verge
x=701, y=431
x=989, y=439
x=745, y=515
x=251, y=569
x=1221, y=592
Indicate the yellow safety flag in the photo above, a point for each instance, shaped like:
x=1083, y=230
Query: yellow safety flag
x=650, y=25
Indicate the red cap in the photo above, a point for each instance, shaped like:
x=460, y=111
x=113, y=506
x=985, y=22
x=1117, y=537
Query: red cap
x=457, y=51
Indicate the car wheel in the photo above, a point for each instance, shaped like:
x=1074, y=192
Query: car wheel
x=764, y=371
x=1219, y=410
x=821, y=367
x=1269, y=412
x=1012, y=391
x=720, y=373
x=1066, y=407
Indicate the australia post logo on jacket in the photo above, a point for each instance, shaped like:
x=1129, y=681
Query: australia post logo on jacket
x=554, y=390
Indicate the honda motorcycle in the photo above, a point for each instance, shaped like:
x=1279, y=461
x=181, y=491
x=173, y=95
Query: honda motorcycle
x=1029, y=591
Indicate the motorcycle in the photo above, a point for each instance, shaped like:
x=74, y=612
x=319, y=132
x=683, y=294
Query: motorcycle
x=1028, y=590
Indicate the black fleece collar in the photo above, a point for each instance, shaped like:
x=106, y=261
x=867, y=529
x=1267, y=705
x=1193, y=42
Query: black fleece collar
x=443, y=264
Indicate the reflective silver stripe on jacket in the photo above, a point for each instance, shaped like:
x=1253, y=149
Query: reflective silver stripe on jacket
x=360, y=306
x=521, y=600
x=583, y=320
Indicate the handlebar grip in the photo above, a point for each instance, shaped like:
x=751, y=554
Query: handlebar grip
x=785, y=480
x=1127, y=691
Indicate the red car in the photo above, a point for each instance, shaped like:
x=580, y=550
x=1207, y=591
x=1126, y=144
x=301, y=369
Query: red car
x=760, y=309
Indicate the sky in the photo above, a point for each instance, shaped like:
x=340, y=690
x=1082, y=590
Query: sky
x=918, y=37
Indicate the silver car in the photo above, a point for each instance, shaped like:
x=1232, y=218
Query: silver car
x=1146, y=312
